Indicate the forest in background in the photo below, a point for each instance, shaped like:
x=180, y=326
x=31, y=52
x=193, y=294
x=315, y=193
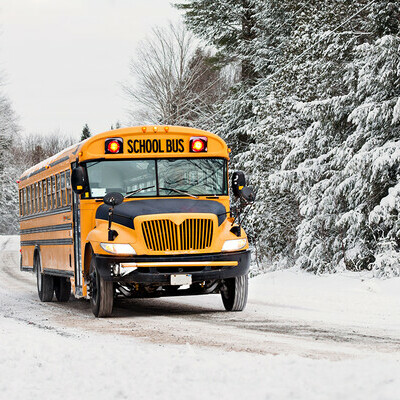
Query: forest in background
x=307, y=95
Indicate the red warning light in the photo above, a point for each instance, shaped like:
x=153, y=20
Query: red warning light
x=198, y=144
x=113, y=146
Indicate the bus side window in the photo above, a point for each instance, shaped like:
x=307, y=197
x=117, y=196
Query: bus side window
x=27, y=200
x=37, y=197
x=40, y=196
x=23, y=201
x=32, y=195
x=29, y=188
x=44, y=198
x=35, y=188
x=68, y=186
x=33, y=198
x=48, y=194
x=20, y=202
x=58, y=188
x=53, y=192
x=63, y=200
x=44, y=195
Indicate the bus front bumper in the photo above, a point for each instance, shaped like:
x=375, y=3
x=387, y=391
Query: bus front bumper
x=158, y=269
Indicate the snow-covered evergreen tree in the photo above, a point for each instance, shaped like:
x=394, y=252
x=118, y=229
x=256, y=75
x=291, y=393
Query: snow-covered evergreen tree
x=85, y=132
x=9, y=170
x=229, y=26
x=336, y=168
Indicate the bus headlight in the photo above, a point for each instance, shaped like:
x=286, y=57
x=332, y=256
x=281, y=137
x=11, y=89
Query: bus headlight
x=233, y=245
x=118, y=248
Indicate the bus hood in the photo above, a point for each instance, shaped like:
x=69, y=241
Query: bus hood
x=125, y=213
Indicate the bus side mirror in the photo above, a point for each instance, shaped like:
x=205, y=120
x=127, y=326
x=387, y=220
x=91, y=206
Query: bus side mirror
x=78, y=180
x=238, y=182
x=112, y=199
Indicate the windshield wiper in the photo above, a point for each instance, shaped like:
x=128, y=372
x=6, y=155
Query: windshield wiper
x=180, y=191
x=130, y=194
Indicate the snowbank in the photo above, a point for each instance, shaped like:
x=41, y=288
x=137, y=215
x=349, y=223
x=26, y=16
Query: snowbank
x=354, y=299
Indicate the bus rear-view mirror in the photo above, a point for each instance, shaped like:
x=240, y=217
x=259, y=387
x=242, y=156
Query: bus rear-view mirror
x=238, y=182
x=78, y=180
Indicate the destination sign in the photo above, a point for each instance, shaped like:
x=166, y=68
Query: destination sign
x=144, y=146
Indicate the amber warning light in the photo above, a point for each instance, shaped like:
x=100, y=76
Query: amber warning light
x=114, y=146
x=198, y=144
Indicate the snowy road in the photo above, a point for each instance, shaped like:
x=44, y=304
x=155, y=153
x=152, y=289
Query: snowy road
x=301, y=336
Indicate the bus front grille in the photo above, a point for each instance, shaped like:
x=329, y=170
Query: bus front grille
x=165, y=235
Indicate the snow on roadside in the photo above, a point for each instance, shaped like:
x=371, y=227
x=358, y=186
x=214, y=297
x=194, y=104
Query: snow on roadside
x=348, y=299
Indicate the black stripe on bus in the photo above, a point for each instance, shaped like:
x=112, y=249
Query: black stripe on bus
x=46, y=242
x=76, y=149
x=57, y=272
x=26, y=269
x=44, y=168
x=33, y=173
x=46, y=213
x=51, y=228
x=59, y=161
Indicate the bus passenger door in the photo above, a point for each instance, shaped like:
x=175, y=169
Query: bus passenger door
x=77, y=241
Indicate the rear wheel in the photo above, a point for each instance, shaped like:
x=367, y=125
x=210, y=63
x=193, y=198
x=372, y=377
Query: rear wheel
x=45, y=283
x=62, y=289
x=234, y=293
x=101, y=292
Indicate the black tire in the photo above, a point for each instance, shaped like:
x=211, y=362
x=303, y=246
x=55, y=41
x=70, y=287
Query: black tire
x=234, y=293
x=62, y=289
x=101, y=293
x=45, y=283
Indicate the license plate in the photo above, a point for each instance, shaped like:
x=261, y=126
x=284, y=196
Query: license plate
x=181, y=279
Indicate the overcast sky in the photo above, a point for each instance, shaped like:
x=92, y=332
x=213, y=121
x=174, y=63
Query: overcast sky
x=64, y=60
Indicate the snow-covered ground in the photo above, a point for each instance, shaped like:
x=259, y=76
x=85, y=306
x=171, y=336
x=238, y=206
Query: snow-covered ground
x=301, y=337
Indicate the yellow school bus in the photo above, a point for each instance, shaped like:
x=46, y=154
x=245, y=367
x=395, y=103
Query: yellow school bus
x=135, y=212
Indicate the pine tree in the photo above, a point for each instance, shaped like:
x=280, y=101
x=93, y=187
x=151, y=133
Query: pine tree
x=9, y=170
x=85, y=132
x=229, y=26
x=335, y=168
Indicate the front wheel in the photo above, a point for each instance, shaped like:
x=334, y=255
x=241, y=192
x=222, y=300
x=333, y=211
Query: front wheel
x=234, y=293
x=101, y=292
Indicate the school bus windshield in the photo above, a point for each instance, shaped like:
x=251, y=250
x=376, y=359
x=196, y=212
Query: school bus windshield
x=158, y=177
